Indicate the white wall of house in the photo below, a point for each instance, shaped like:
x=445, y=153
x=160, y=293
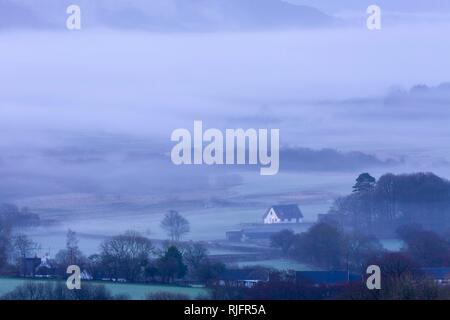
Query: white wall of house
x=271, y=217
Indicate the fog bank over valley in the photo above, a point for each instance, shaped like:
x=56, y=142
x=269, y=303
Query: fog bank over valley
x=86, y=117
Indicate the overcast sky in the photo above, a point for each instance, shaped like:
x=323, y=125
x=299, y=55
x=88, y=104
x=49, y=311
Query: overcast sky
x=92, y=111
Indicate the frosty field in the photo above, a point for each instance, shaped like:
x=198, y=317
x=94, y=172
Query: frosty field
x=134, y=291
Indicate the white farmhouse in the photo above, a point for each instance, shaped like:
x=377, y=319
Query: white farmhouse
x=283, y=214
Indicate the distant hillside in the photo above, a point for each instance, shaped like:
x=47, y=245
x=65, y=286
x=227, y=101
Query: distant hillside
x=164, y=15
x=388, y=5
x=13, y=15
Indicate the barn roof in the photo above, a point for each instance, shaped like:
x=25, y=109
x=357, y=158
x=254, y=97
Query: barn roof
x=286, y=211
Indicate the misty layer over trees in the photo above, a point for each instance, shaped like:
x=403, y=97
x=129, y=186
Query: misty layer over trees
x=379, y=207
x=86, y=117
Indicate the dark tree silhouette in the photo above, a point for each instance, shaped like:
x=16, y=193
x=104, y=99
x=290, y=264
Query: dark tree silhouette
x=283, y=239
x=171, y=266
x=364, y=182
x=175, y=225
x=379, y=207
x=5, y=242
x=126, y=255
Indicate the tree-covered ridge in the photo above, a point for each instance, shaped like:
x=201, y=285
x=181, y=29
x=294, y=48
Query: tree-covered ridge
x=380, y=206
x=14, y=216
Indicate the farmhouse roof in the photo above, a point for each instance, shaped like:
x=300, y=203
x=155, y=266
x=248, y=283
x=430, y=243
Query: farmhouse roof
x=286, y=211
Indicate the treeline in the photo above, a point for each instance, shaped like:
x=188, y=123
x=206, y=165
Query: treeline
x=329, y=247
x=132, y=257
x=381, y=206
x=14, y=216
x=401, y=279
x=126, y=257
x=14, y=244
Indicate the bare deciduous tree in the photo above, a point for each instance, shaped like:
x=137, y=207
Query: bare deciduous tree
x=175, y=225
x=126, y=255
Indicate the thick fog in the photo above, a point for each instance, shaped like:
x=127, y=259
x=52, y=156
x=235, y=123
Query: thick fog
x=86, y=116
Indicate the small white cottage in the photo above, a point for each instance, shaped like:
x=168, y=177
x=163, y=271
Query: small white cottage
x=283, y=214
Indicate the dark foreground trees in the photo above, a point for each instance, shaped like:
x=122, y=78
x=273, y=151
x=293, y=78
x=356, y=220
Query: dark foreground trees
x=132, y=257
x=170, y=265
x=13, y=244
x=327, y=246
x=200, y=267
x=401, y=279
x=125, y=256
x=427, y=248
x=323, y=245
x=284, y=240
x=5, y=242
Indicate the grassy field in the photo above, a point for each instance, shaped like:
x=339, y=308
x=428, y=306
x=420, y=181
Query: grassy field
x=134, y=291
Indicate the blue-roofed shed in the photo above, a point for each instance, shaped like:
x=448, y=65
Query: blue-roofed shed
x=326, y=277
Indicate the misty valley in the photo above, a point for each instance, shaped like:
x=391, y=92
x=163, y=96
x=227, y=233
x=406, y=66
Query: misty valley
x=214, y=150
